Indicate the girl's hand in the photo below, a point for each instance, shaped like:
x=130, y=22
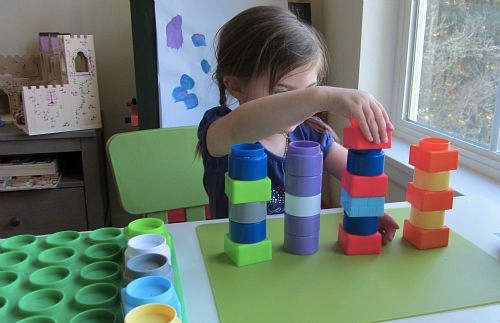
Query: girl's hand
x=387, y=227
x=370, y=114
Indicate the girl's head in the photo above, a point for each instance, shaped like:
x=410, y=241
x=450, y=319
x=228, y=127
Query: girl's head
x=268, y=42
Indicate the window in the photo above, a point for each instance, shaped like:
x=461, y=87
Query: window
x=452, y=78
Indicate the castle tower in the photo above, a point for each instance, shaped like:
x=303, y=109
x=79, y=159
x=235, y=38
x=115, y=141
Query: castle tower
x=248, y=189
x=429, y=194
x=364, y=186
x=304, y=169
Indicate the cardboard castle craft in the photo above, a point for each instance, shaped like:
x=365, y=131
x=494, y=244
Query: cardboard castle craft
x=55, y=91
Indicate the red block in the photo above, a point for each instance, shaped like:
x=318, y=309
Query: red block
x=429, y=200
x=353, y=244
x=354, y=138
x=425, y=238
x=433, y=155
x=364, y=186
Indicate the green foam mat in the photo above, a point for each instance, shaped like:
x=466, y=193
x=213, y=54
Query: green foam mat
x=51, y=280
x=331, y=287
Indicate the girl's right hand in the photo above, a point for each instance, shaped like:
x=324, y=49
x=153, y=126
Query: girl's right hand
x=370, y=114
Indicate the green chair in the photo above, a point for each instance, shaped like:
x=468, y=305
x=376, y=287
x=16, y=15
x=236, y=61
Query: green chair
x=155, y=171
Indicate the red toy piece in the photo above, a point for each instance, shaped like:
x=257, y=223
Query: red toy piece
x=364, y=186
x=353, y=244
x=354, y=138
x=433, y=155
x=429, y=200
x=425, y=238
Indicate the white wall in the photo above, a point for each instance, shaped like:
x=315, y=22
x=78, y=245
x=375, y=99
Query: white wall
x=109, y=22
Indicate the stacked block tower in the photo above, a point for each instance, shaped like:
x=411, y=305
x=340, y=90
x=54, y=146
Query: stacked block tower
x=304, y=169
x=248, y=189
x=429, y=194
x=364, y=186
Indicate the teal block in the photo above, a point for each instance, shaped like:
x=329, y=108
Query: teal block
x=362, y=206
x=247, y=191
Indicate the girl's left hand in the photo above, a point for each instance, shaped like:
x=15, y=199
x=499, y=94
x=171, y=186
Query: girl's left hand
x=387, y=227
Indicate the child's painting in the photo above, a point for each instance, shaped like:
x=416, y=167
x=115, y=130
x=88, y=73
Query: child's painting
x=185, y=33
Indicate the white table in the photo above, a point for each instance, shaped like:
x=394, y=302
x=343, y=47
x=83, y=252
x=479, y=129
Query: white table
x=475, y=218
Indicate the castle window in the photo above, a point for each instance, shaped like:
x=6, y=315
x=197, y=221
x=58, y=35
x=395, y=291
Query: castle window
x=81, y=63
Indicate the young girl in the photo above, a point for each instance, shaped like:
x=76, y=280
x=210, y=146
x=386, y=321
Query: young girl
x=273, y=64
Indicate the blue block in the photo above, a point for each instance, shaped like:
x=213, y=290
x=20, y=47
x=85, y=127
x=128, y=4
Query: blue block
x=247, y=162
x=247, y=232
x=361, y=226
x=365, y=162
x=362, y=206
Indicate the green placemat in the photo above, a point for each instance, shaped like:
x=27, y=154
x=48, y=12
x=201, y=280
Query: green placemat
x=332, y=287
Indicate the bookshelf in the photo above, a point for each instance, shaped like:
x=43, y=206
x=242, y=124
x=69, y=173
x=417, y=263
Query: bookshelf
x=79, y=200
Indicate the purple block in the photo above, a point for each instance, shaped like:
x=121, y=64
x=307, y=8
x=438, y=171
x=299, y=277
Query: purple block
x=301, y=245
x=302, y=225
x=304, y=158
x=303, y=185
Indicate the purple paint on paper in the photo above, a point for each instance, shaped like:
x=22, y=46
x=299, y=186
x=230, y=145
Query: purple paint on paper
x=174, y=32
x=205, y=66
x=198, y=40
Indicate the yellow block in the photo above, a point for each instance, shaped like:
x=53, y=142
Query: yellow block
x=427, y=220
x=436, y=181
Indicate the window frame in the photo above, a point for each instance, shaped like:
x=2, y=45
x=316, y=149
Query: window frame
x=477, y=158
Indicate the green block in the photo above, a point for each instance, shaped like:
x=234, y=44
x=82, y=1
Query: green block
x=247, y=254
x=240, y=192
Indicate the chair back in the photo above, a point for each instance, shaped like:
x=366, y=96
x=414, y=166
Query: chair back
x=155, y=170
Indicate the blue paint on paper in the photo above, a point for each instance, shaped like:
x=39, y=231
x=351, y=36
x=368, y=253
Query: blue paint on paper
x=191, y=101
x=180, y=93
x=198, y=40
x=187, y=82
x=205, y=66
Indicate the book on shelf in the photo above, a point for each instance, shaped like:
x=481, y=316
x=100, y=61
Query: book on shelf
x=30, y=182
x=28, y=166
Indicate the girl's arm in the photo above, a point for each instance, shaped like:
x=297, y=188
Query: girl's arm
x=260, y=118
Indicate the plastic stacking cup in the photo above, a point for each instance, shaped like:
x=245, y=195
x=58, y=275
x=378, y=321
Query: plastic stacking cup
x=13, y=260
x=42, y=302
x=99, y=295
x=104, y=251
x=108, y=234
x=23, y=242
x=146, y=225
x=147, y=290
x=147, y=243
x=63, y=238
x=57, y=256
x=100, y=272
x=50, y=277
x=152, y=313
x=95, y=315
x=148, y=264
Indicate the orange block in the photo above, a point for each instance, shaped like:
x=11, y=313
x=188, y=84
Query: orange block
x=433, y=155
x=429, y=200
x=424, y=238
x=364, y=186
x=353, y=244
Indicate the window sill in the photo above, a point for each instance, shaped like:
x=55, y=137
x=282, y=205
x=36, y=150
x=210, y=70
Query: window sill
x=464, y=180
